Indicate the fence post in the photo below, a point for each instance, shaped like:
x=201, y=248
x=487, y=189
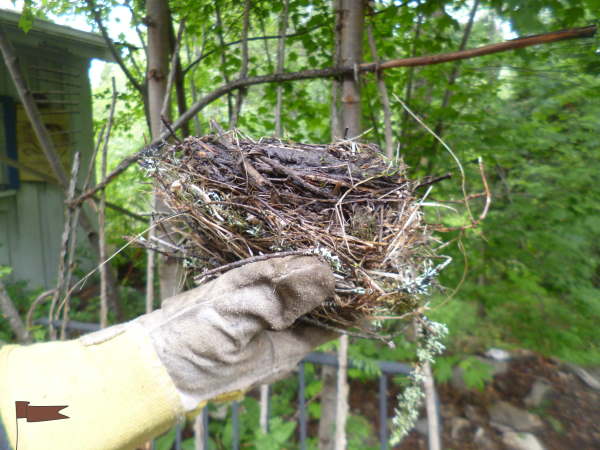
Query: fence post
x=235, y=432
x=302, y=406
x=383, y=416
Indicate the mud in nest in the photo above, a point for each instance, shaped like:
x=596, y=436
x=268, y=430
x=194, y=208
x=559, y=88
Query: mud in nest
x=236, y=200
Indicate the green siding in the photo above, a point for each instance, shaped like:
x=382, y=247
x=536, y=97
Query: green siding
x=31, y=218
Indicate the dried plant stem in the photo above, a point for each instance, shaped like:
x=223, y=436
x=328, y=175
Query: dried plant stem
x=39, y=299
x=463, y=178
x=70, y=243
x=488, y=201
x=433, y=425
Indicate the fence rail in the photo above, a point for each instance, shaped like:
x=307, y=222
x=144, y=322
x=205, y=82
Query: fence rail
x=387, y=368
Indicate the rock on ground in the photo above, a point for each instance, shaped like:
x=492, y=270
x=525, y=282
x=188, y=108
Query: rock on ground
x=503, y=414
x=540, y=391
x=521, y=441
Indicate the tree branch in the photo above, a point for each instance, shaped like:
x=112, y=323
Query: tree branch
x=255, y=38
x=112, y=48
x=336, y=72
x=9, y=310
x=512, y=44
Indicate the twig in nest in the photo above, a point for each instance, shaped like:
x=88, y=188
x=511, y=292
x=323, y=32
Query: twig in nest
x=204, y=276
x=294, y=176
x=387, y=339
x=434, y=180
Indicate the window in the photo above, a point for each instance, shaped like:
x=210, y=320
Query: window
x=9, y=175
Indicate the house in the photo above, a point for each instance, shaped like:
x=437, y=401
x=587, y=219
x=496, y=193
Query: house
x=55, y=61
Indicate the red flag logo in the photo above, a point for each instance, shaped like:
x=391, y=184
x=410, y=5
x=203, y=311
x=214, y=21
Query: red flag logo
x=39, y=413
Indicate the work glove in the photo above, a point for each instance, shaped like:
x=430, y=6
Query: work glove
x=239, y=330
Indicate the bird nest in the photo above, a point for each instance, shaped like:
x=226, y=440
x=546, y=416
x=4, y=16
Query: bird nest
x=235, y=200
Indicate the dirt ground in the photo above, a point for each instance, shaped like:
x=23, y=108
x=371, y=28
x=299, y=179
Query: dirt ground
x=571, y=414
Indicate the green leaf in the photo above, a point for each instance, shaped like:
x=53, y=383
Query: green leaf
x=27, y=16
x=475, y=372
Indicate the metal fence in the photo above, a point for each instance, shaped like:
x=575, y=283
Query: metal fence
x=387, y=369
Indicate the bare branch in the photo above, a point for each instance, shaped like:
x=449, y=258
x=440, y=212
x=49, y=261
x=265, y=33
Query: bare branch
x=137, y=21
x=255, y=38
x=265, y=42
x=194, y=92
x=490, y=49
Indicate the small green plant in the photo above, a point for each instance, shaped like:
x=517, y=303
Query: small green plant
x=475, y=372
x=278, y=435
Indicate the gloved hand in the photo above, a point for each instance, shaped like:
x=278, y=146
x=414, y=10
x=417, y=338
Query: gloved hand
x=239, y=330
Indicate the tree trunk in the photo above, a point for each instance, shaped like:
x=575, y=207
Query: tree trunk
x=280, y=61
x=352, y=19
x=336, y=85
x=159, y=17
x=352, y=24
x=349, y=45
